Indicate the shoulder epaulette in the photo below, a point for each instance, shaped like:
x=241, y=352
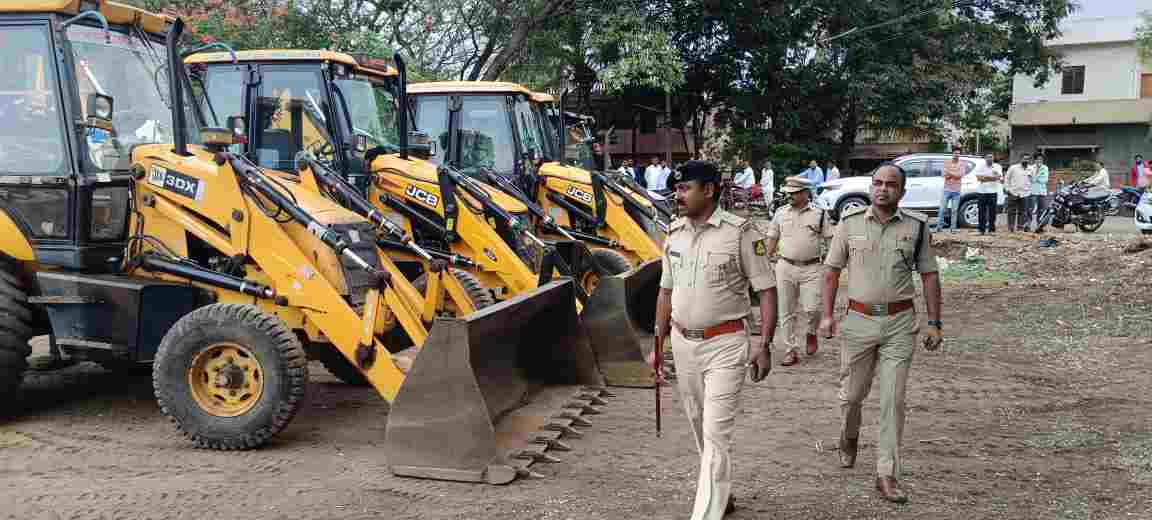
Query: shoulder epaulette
x=916, y=215
x=735, y=220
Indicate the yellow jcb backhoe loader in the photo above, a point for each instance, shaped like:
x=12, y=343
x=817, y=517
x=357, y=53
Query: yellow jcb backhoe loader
x=344, y=111
x=504, y=138
x=189, y=258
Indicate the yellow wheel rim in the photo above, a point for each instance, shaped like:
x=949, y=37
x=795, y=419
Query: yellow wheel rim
x=589, y=281
x=226, y=379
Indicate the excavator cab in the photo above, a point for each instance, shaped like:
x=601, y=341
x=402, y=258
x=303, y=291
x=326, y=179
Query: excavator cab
x=131, y=232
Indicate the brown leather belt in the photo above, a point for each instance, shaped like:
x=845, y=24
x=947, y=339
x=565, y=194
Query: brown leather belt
x=727, y=327
x=801, y=263
x=880, y=309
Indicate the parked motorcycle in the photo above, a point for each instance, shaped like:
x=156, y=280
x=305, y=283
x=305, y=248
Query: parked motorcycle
x=1078, y=205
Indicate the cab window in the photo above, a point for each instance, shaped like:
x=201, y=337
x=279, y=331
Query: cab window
x=31, y=136
x=291, y=115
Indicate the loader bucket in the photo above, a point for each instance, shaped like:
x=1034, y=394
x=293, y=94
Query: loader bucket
x=620, y=319
x=491, y=392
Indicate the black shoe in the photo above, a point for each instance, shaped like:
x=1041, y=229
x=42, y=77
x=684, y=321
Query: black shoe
x=731, y=507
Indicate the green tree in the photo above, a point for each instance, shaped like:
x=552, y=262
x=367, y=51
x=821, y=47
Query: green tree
x=1144, y=37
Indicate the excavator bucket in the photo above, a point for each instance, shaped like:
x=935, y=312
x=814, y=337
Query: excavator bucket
x=620, y=318
x=493, y=392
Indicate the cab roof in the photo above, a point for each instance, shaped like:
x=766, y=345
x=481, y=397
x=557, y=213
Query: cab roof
x=116, y=14
x=542, y=97
x=373, y=66
x=468, y=87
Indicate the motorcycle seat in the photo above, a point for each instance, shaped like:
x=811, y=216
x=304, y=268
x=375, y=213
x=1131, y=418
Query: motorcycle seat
x=1093, y=196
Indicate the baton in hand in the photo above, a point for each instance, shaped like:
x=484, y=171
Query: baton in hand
x=657, y=364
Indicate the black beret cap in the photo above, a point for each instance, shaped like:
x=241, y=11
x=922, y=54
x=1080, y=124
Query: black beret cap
x=703, y=171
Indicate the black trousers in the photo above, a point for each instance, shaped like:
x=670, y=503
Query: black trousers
x=987, y=219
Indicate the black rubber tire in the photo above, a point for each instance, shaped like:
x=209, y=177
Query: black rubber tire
x=611, y=262
x=481, y=297
x=336, y=364
x=961, y=210
x=1146, y=231
x=339, y=366
x=275, y=347
x=15, y=331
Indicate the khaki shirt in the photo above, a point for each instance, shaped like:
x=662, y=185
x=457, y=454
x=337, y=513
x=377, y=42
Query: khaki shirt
x=879, y=255
x=710, y=268
x=799, y=232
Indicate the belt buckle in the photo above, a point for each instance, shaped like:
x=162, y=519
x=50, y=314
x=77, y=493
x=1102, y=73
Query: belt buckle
x=879, y=309
x=693, y=334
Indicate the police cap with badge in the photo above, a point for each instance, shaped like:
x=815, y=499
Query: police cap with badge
x=703, y=171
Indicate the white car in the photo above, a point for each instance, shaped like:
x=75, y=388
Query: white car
x=1143, y=213
x=924, y=188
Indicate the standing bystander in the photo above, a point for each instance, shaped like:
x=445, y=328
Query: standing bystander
x=1017, y=188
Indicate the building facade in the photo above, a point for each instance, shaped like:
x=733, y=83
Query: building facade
x=1098, y=107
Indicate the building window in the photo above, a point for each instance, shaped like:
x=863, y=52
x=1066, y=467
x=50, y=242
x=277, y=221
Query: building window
x=1073, y=80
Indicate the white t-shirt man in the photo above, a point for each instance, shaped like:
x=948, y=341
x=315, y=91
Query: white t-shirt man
x=768, y=181
x=652, y=176
x=746, y=178
x=833, y=173
x=1100, y=181
x=989, y=187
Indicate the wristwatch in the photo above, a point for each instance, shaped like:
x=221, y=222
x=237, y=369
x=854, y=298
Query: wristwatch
x=936, y=323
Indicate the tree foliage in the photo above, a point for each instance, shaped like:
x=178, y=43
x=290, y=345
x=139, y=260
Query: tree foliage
x=1144, y=37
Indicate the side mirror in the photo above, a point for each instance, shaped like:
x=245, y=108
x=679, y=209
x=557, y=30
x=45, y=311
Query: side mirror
x=360, y=143
x=99, y=113
x=421, y=145
x=239, y=129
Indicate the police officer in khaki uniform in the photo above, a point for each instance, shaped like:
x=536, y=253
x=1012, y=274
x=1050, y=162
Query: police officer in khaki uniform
x=798, y=228
x=710, y=259
x=881, y=246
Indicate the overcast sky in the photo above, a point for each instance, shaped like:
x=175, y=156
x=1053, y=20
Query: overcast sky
x=1110, y=7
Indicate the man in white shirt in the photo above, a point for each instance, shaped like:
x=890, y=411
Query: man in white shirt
x=1099, y=181
x=652, y=174
x=746, y=178
x=768, y=183
x=989, y=175
x=833, y=172
x=1017, y=188
x=665, y=174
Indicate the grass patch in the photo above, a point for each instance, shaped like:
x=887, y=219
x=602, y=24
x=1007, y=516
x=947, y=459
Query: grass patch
x=1136, y=455
x=1077, y=320
x=1072, y=508
x=1066, y=435
x=975, y=270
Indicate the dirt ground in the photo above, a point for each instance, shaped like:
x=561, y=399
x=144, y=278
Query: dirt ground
x=1038, y=407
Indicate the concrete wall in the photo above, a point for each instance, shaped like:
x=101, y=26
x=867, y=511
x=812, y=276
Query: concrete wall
x=1117, y=144
x=1111, y=71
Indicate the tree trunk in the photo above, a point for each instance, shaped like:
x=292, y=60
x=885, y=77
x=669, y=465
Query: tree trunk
x=524, y=26
x=478, y=67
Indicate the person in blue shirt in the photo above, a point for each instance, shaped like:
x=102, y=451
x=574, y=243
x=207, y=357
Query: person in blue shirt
x=814, y=174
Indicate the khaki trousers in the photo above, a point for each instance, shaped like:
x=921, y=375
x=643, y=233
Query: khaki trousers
x=870, y=343
x=709, y=375
x=798, y=288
